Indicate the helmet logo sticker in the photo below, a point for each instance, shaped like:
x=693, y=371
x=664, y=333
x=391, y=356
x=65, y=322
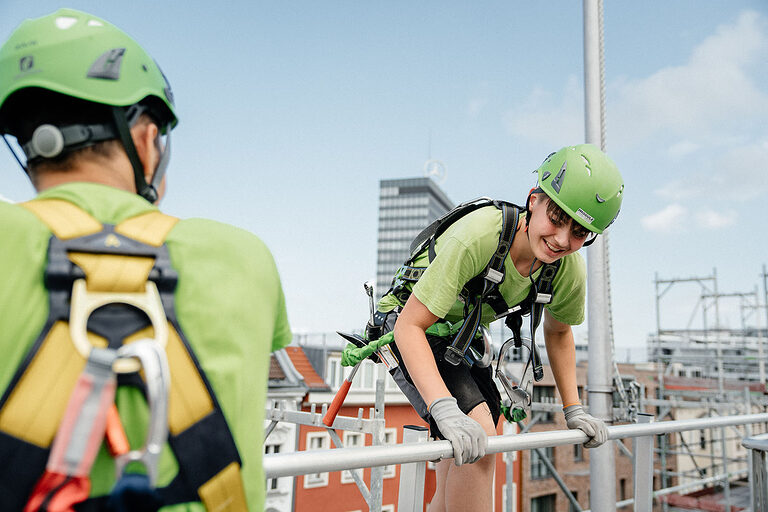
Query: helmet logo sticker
x=107, y=66
x=557, y=183
x=26, y=63
x=584, y=215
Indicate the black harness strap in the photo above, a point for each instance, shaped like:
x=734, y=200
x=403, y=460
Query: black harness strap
x=481, y=285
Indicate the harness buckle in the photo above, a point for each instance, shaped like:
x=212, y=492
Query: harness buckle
x=494, y=275
x=453, y=355
x=543, y=298
x=513, y=309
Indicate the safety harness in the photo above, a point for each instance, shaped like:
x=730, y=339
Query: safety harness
x=483, y=288
x=111, y=303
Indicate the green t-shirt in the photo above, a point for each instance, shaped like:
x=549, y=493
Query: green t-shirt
x=229, y=303
x=464, y=250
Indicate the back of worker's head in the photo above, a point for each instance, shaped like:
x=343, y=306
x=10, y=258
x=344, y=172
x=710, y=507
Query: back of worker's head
x=73, y=84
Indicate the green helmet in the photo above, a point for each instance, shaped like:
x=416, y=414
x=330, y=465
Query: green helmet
x=79, y=55
x=585, y=183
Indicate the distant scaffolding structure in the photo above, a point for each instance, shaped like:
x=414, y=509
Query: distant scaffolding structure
x=706, y=371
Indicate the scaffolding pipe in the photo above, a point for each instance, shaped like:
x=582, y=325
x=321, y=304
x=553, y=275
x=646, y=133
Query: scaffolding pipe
x=320, y=461
x=643, y=467
x=599, y=382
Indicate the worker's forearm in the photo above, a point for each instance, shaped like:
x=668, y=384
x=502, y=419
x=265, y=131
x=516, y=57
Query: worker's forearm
x=562, y=361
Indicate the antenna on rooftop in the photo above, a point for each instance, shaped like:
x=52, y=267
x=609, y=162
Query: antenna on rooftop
x=435, y=169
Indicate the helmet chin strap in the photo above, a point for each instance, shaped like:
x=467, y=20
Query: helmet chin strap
x=146, y=190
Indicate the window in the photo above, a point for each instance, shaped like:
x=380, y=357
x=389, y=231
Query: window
x=622, y=489
x=387, y=508
x=352, y=440
x=578, y=452
x=571, y=508
x=538, y=467
x=703, y=439
x=543, y=503
x=269, y=449
x=390, y=437
x=545, y=394
x=317, y=441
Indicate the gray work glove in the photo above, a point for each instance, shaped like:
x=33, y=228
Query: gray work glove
x=575, y=417
x=467, y=437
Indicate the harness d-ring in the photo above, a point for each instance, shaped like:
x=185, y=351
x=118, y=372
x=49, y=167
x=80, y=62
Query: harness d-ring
x=85, y=302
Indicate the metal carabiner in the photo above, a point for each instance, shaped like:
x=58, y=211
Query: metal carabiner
x=484, y=361
x=519, y=394
x=151, y=357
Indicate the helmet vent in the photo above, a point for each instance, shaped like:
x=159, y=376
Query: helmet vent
x=599, y=199
x=95, y=23
x=65, y=22
x=587, y=165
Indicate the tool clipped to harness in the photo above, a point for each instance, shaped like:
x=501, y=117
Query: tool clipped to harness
x=519, y=395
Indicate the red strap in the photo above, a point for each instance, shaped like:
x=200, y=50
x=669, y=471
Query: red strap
x=55, y=492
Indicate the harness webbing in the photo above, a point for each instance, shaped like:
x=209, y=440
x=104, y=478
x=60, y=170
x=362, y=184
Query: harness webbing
x=483, y=288
x=479, y=286
x=119, y=260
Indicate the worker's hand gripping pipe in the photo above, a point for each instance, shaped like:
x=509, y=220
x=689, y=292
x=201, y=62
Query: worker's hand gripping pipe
x=341, y=394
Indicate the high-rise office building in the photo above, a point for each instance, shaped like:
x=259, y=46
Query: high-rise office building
x=406, y=206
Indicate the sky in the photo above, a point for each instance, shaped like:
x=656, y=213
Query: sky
x=291, y=112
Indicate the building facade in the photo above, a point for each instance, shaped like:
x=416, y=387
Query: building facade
x=406, y=206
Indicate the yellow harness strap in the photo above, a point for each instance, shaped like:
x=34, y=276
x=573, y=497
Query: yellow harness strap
x=50, y=376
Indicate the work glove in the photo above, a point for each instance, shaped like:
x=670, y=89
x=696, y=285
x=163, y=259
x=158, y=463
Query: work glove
x=467, y=437
x=575, y=417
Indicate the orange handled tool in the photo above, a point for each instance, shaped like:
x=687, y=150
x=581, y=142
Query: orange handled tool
x=338, y=400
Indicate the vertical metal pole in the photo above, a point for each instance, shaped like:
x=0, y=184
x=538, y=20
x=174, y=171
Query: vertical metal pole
x=412, y=475
x=720, y=376
x=643, y=455
x=727, y=483
x=762, y=338
x=509, y=459
x=377, y=473
x=601, y=460
x=750, y=453
x=759, y=481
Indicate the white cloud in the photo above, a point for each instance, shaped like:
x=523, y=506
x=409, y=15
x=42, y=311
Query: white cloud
x=716, y=219
x=737, y=173
x=550, y=118
x=682, y=148
x=669, y=220
x=476, y=105
x=714, y=88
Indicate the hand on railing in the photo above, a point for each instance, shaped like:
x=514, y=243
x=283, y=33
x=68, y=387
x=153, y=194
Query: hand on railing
x=467, y=437
x=576, y=417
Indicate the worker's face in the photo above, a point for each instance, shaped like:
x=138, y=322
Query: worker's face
x=551, y=232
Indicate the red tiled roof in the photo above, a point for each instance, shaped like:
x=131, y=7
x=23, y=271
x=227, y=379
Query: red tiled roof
x=304, y=367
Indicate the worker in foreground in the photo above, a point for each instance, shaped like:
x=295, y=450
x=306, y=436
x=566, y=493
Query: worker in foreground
x=135, y=345
x=487, y=260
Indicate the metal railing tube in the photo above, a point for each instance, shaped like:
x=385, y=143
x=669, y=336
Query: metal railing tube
x=319, y=461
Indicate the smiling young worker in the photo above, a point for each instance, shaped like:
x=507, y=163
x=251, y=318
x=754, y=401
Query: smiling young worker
x=578, y=195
